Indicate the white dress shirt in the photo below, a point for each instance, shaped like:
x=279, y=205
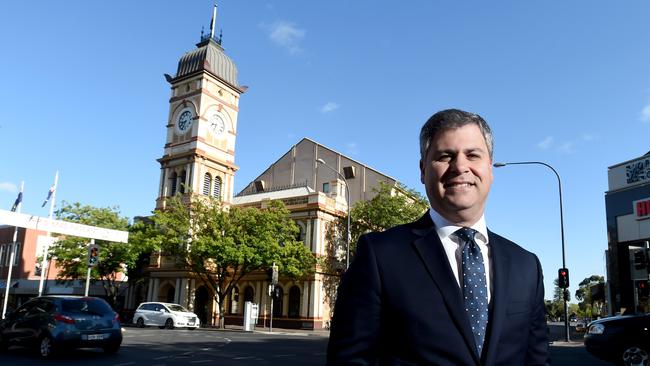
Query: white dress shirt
x=453, y=246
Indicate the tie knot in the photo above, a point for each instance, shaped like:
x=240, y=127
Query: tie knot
x=465, y=234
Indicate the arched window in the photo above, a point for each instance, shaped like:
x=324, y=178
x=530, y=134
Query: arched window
x=182, y=182
x=217, y=188
x=207, y=182
x=234, y=303
x=294, y=302
x=249, y=294
x=174, y=180
x=277, y=301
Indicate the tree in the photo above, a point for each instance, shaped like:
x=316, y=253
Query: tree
x=591, y=298
x=222, y=246
x=114, y=258
x=391, y=206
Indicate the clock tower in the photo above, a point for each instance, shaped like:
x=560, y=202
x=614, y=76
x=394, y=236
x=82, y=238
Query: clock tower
x=199, y=153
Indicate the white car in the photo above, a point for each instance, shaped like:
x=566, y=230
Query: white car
x=164, y=315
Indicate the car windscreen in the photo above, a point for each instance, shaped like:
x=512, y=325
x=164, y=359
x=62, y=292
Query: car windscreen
x=175, y=307
x=89, y=306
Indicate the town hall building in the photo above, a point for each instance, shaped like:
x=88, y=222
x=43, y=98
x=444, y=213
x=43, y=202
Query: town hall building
x=199, y=159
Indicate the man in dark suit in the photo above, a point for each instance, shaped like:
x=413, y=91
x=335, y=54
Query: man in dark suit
x=443, y=290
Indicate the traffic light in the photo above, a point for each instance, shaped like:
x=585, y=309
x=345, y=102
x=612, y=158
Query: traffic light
x=640, y=259
x=563, y=278
x=642, y=288
x=272, y=274
x=93, y=255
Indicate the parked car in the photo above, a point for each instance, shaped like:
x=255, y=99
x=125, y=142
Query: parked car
x=164, y=315
x=620, y=339
x=54, y=323
x=581, y=326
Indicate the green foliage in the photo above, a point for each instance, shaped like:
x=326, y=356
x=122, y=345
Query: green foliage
x=391, y=206
x=71, y=252
x=221, y=246
x=590, y=306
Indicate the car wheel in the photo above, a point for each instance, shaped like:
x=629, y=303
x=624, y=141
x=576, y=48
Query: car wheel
x=46, y=347
x=139, y=323
x=169, y=324
x=112, y=348
x=635, y=356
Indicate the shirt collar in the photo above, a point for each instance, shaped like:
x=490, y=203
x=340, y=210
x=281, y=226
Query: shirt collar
x=445, y=228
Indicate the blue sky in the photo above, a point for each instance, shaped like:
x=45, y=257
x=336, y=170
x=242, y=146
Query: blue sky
x=567, y=83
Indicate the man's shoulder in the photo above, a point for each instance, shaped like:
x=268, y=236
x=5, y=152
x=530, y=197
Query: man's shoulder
x=401, y=232
x=507, y=244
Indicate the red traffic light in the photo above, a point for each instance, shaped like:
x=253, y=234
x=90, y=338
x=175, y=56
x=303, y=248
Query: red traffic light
x=563, y=278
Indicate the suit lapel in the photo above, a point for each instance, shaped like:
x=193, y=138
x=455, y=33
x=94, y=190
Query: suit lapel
x=435, y=260
x=500, y=272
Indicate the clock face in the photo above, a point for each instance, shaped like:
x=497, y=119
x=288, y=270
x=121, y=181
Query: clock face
x=184, y=121
x=217, y=125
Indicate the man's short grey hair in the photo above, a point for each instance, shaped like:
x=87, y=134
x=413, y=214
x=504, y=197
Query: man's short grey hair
x=451, y=119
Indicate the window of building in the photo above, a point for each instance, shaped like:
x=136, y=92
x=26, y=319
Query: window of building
x=234, y=303
x=217, y=188
x=326, y=187
x=16, y=254
x=2, y=255
x=174, y=180
x=277, y=301
x=182, y=182
x=294, y=302
x=207, y=182
x=249, y=294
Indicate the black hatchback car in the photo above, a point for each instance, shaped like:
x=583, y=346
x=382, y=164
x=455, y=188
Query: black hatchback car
x=53, y=323
x=624, y=340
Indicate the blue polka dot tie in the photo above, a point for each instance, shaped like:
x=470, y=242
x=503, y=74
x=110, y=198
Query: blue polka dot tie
x=474, y=286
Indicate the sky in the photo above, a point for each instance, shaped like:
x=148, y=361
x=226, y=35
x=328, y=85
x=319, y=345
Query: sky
x=565, y=83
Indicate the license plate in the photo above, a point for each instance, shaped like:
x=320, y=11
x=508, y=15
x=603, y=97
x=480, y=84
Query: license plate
x=94, y=337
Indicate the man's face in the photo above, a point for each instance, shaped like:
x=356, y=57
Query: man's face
x=457, y=174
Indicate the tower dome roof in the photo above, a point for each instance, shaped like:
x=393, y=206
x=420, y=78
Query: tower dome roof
x=208, y=56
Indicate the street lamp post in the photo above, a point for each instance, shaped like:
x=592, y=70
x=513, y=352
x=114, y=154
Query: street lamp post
x=347, y=191
x=559, y=184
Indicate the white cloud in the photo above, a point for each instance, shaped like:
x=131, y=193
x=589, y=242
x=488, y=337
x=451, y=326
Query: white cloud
x=567, y=148
x=8, y=187
x=329, y=107
x=645, y=113
x=287, y=35
x=546, y=143
x=587, y=137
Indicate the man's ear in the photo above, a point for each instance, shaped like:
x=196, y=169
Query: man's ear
x=421, y=171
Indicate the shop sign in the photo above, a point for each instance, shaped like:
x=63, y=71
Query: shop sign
x=642, y=209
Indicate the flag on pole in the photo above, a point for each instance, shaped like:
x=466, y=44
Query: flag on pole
x=19, y=199
x=49, y=195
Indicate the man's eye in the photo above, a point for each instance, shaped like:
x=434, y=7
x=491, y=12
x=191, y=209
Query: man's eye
x=444, y=157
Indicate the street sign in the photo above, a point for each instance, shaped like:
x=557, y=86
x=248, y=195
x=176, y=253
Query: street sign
x=62, y=227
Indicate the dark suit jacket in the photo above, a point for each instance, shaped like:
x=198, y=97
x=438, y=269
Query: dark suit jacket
x=399, y=304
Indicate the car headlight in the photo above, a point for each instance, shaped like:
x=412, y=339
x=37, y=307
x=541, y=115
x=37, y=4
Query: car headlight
x=597, y=329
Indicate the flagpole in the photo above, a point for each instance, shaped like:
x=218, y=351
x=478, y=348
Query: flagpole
x=13, y=254
x=47, y=241
x=214, y=21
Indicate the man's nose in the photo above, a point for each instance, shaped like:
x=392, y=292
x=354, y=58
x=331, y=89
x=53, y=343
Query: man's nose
x=460, y=163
